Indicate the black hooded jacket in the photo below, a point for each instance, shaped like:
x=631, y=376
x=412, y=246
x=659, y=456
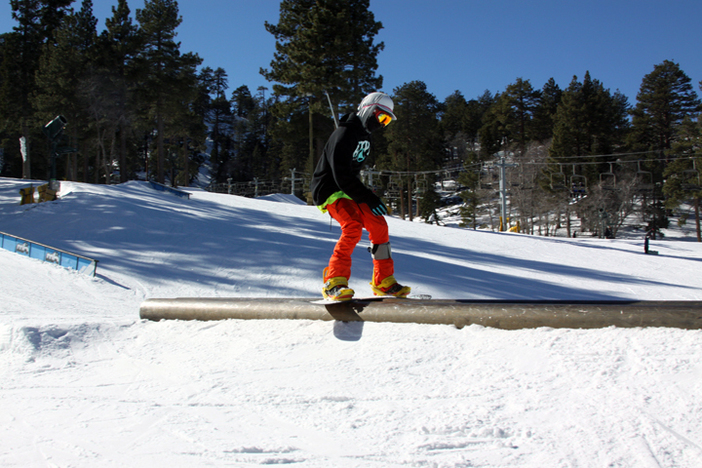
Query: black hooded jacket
x=341, y=162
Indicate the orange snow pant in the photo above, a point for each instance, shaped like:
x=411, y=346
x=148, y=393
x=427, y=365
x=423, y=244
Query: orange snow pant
x=353, y=218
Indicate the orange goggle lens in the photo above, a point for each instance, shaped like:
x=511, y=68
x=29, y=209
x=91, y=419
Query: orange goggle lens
x=383, y=118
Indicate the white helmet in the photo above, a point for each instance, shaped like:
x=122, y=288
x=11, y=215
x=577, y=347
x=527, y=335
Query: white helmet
x=371, y=103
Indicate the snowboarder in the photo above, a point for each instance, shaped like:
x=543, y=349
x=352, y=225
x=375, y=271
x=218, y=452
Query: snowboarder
x=337, y=189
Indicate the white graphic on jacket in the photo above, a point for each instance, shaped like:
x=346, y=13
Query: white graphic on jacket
x=362, y=151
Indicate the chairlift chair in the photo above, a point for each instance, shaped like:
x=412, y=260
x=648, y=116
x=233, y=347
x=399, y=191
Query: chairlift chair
x=558, y=179
x=645, y=178
x=578, y=185
x=489, y=175
x=689, y=176
x=608, y=180
x=420, y=185
x=393, y=189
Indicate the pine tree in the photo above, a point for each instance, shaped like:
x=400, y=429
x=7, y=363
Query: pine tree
x=545, y=113
x=477, y=112
x=37, y=20
x=162, y=64
x=252, y=139
x=220, y=122
x=454, y=116
x=194, y=125
x=683, y=179
x=469, y=178
x=570, y=135
x=23, y=49
x=521, y=101
x=414, y=140
x=665, y=99
x=120, y=44
x=64, y=66
x=325, y=45
x=15, y=109
x=493, y=131
x=250, y=135
x=461, y=121
x=589, y=121
x=186, y=128
x=507, y=124
x=321, y=46
x=243, y=105
x=455, y=120
x=52, y=13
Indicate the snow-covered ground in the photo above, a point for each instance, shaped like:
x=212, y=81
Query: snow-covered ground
x=84, y=382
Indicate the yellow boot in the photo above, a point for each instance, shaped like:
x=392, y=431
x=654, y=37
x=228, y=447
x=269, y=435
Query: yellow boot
x=390, y=287
x=337, y=288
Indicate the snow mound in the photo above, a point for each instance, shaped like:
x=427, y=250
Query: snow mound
x=282, y=198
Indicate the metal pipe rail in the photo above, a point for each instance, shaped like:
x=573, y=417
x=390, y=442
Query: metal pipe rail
x=509, y=315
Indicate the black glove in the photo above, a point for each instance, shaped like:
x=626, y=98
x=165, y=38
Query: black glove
x=376, y=205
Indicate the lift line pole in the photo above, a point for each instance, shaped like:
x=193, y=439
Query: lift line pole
x=503, y=165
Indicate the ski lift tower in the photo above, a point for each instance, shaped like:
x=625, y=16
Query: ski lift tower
x=503, y=165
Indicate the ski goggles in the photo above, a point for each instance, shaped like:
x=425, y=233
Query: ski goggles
x=383, y=117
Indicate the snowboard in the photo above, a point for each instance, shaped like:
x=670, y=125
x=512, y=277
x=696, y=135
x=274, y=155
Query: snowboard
x=365, y=300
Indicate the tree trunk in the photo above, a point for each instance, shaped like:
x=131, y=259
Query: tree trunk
x=96, y=168
x=122, y=155
x=697, y=219
x=86, y=162
x=160, y=177
x=402, y=202
x=108, y=162
x=186, y=164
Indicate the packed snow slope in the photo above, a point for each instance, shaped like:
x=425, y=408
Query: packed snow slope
x=84, y=382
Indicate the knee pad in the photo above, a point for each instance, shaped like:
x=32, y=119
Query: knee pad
x=380, y=251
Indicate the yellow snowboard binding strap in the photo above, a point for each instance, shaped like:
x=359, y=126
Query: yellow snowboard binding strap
x=337, y=288
x=390, y=287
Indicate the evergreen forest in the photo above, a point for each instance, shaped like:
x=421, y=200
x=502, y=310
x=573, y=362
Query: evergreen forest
x=136, y=107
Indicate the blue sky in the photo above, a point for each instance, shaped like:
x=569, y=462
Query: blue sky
x=469, y=45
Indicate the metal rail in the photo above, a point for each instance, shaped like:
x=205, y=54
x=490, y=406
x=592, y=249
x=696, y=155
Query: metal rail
x=508, y=315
